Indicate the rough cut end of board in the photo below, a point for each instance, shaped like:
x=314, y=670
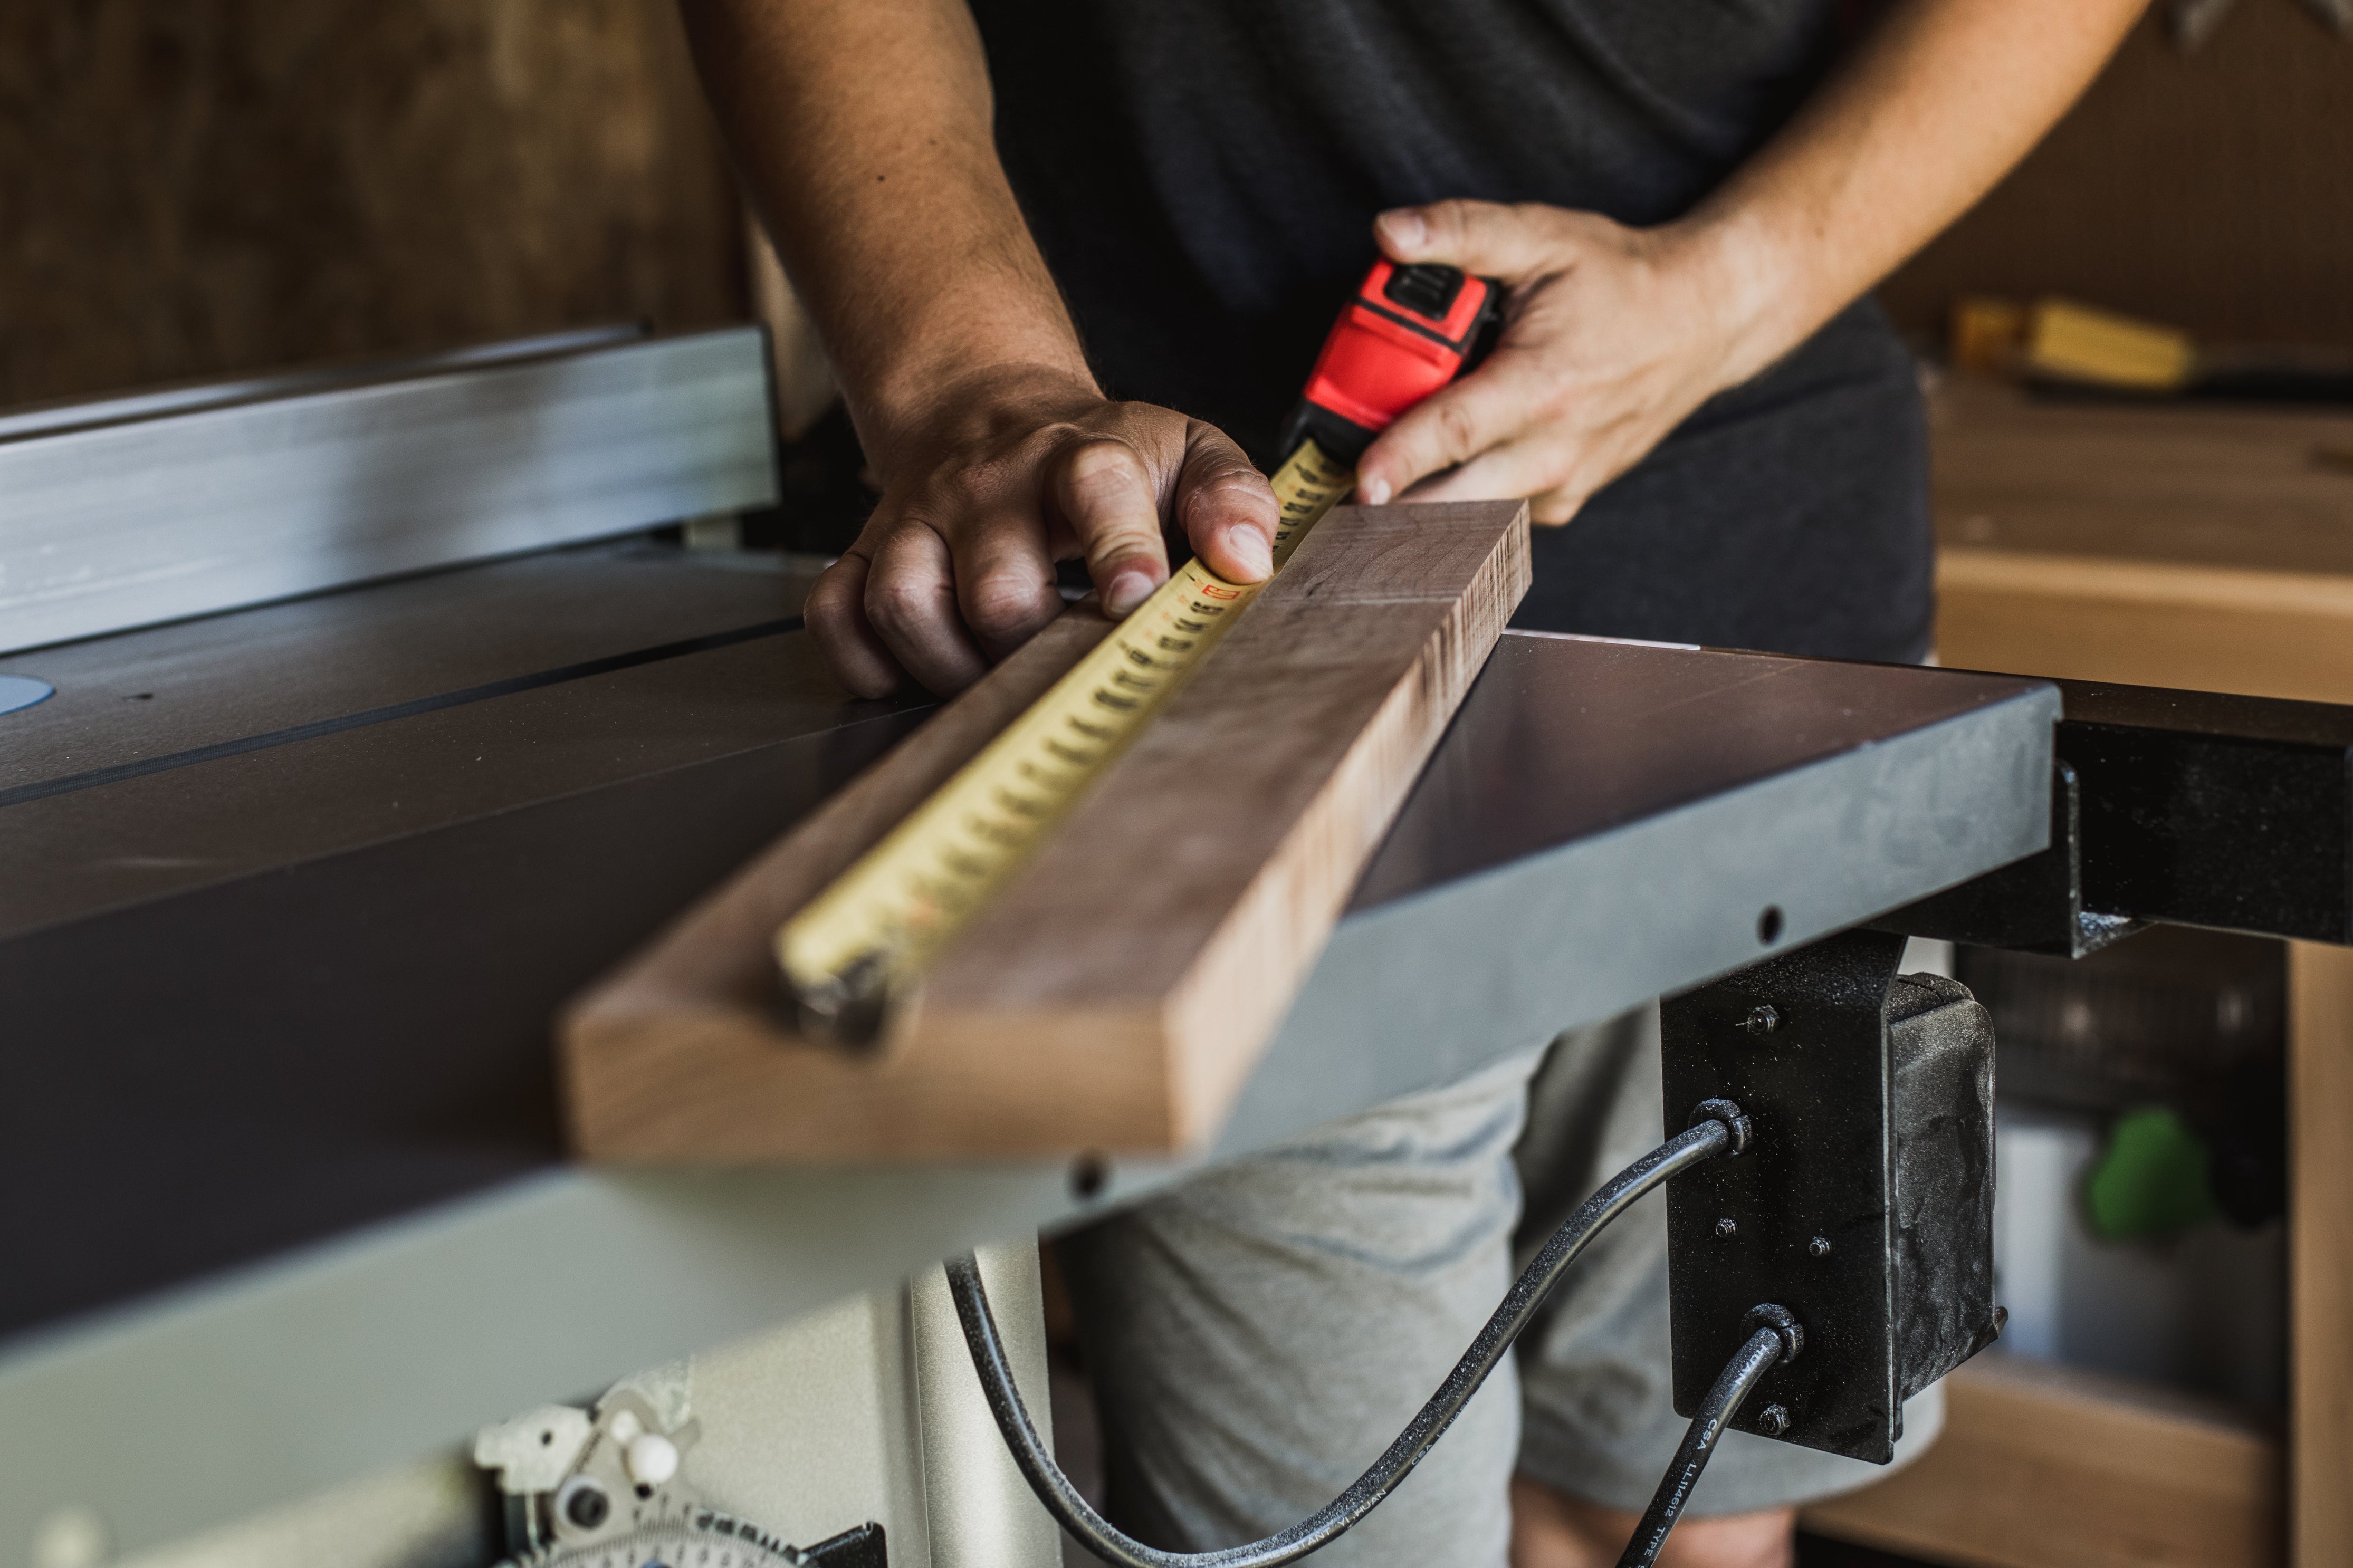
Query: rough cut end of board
x=1117, y=993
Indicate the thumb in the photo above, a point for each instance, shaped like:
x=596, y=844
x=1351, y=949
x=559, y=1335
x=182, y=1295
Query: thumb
x=1489, y=239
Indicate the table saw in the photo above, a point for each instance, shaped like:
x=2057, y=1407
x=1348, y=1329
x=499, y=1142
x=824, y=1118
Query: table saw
x=387, y=713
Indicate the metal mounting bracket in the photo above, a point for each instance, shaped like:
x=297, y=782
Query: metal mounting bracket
x=1865, y=1202
x=2188, y=807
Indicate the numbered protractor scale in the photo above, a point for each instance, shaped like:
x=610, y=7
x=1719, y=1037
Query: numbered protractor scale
x=856, y=953
x=680, y=1545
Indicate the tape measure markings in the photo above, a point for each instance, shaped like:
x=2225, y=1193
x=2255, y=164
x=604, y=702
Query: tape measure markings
x=881, y=921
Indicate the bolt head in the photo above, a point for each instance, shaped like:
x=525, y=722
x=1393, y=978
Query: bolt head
x=585, y=1503
x=1820, y=1247
x=1727, y=1226
x=1762, y=1019
x=1773, y=1419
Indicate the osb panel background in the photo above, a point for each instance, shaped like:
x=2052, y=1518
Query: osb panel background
x=194, y=187
x=190, y=187
x=2213, y=190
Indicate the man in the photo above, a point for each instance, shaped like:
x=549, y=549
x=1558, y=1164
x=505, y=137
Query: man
x=1685, y=197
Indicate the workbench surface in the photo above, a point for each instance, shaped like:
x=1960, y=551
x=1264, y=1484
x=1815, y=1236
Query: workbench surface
x=292, y=893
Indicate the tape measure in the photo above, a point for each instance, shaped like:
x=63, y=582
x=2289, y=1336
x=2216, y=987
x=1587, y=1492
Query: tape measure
x=856, y=950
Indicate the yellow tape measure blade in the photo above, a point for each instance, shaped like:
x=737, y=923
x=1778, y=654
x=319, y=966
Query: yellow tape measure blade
x=851, y=957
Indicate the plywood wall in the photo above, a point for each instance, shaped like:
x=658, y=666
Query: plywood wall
x=2212, y=190
x=194, y=187
x=191, y=188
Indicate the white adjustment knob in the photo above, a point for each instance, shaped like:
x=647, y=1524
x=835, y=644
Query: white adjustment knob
x=652, y=1459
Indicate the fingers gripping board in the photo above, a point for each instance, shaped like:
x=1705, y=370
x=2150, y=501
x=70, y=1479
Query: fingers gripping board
x=1118, y=990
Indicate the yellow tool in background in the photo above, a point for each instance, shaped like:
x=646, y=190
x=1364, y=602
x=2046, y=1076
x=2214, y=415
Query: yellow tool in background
x=2059, y=340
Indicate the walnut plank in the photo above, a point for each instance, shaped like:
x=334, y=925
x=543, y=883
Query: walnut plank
x=651, y=1053
x=1117, y=993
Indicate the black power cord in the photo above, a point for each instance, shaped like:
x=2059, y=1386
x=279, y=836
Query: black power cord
x=1717, y=1128
x=1777, y=1338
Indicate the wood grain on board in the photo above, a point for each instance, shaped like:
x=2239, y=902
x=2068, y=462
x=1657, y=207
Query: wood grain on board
x=2040, y=1467
x=1115, y=995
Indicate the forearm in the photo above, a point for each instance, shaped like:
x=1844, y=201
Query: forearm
x=1934, y=107
x=863, y=127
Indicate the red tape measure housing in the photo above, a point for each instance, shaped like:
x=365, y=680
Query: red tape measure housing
x=1403, y=337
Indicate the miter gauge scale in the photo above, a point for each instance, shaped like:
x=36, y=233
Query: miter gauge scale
x=603, y=1488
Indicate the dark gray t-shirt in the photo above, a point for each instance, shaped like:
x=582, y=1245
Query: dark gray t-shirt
x=1202, y=176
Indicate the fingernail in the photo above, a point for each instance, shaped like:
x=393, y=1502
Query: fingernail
x=1406, y=230
x=1127, y=590
x=1251, y=552
x=1376, y=492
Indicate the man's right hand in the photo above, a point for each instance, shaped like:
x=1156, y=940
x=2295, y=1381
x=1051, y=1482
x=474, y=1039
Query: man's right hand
x=867, y=130
x=1007, y=474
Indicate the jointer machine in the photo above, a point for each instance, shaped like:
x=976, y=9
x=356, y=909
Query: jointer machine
x=358, y=719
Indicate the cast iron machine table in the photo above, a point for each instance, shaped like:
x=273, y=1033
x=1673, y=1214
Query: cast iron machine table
x=288, y=892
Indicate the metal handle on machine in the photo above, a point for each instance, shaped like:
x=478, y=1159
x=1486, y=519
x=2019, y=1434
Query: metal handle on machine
x=1719, y=1130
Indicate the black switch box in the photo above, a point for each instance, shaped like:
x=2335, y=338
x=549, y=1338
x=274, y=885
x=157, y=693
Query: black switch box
x=1865, y=1202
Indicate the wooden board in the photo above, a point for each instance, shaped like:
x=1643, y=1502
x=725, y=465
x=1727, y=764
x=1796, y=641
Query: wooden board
x=2320, y=1253
x=2201, y=547
x=2045, y=1468
x=1117, y=993
x=2147, y=622
x=2240, y=485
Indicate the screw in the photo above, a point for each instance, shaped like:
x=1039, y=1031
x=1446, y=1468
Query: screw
x=1773, y=1419
x=585, y=1504
x=1090, y=1173
x=1727, y=1228
x=1820, y=1247
x=1762, y=1019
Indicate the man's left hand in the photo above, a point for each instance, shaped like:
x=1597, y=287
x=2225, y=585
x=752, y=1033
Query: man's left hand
x=1612, y=335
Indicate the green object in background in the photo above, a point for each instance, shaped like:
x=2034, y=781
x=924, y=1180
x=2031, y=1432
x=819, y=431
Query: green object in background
x=2151, y=1180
